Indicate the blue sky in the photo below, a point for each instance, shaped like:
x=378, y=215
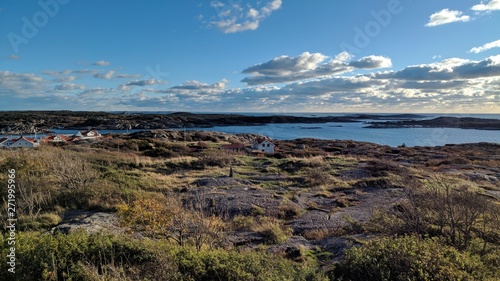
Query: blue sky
x=247, y=56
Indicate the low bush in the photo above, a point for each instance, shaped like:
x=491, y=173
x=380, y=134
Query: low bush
x=79, y=256
x=409, y=258
x=272, y=230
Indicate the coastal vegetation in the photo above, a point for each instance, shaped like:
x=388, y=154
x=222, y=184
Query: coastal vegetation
x=170, y=205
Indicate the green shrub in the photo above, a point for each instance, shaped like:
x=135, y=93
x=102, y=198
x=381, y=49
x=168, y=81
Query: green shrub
x=79, y=256
x=222, y=265
x=409, y=258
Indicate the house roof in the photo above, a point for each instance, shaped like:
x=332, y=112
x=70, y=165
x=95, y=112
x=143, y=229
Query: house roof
x=62, y=137
x=261, y=140
x=31, y=140
x=86, y=133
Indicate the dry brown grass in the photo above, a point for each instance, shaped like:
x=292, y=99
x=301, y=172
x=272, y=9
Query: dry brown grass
x=317, y=234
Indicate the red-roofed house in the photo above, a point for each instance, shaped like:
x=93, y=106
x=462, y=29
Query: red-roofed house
x=58, y=138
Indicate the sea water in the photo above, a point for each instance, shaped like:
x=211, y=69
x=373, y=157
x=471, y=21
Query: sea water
x=356, y=131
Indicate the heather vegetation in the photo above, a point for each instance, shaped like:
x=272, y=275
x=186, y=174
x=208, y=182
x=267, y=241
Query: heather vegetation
x=316, y=210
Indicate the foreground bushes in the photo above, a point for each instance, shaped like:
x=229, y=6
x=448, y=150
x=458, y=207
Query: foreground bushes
x=411, y=258
x=79, y=256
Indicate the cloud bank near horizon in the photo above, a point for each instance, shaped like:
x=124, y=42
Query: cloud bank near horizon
x=307, y=82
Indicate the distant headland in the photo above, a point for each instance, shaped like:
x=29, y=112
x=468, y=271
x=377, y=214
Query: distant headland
x=25, y=122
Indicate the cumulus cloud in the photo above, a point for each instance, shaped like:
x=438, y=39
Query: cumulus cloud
x=448, y=69
x=485, y=47
x=106, y=75
x=140, y=83
x=344, y=56
x=56, y=73
x=449, y=84
x=143, y=83
x=332, y=85
x=101, y=63
x=306, y=66
x=127, y=76
x=20, y=85
x=285, y=65
x=10, y=80
x=85, y=71
x=65, y=79
x=446, y=16
x=95, y=92
x=370, y=62
x=236, y=18
x=69, y=87
x=196, y=88
x=492, y=5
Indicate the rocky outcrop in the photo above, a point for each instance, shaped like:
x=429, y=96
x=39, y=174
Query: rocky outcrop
x=441, y=122
x=91, y=222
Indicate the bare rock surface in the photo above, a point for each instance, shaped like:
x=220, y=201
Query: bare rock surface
x=330, y=215
x=91, y=222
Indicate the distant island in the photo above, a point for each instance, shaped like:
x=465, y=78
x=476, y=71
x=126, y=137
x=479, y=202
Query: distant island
x=441, y=122
x=25, y=122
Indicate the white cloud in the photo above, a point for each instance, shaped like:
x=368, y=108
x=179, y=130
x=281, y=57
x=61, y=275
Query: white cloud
x=216, y=4
x=234, y=18
x=143, y=83
x=85, y=71
x=127, y=76
x=306, y=66
x=446, y=16
x=69, y=87
x=93, y=92
x=65, y=79
x=372, y=62
x=252, y=13
x=285, y=65
x=449, y=84
x=102, y=63
x=196, y=88
x=106, y=75
x=485, y=47
x=492, y=5
x=344, y=56
x=140, y=83
x=57, y=73
x=21, y=84
x=448, y=69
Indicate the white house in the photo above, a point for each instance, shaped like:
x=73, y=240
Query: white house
x=4, y=142
x=92, y=134
x=24, y=142
x=264, y=145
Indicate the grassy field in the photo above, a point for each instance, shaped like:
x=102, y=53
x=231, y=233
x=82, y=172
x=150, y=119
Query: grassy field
x=177, y=214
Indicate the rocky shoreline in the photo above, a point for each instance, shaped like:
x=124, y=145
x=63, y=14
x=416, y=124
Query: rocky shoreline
x=440, y=122
x=28, y=122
